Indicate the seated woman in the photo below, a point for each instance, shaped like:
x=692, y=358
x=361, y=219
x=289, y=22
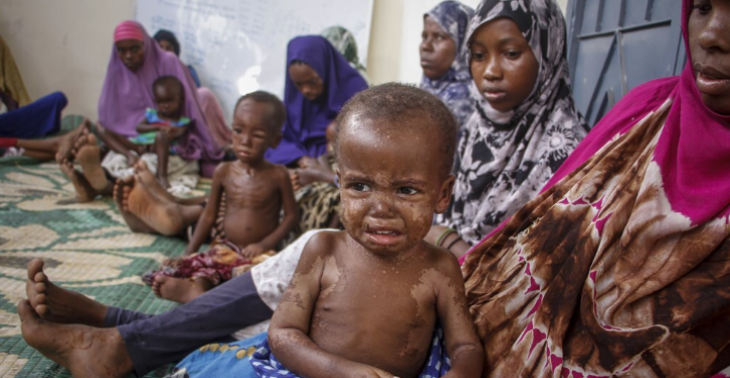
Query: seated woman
x=217, y=124
x=444, y=57
x=136, y=62
x=22, y=122
x=318, y=82
x=317, y=193
x=525, y=124
x=618, y=268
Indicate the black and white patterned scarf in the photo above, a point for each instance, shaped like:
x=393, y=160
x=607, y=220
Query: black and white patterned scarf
x=505, y=165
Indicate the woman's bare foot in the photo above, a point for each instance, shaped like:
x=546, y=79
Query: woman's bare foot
x=163, y=216
x=68, y=141
x=89, y=157
x=121, y=196
x=149, y=180
x=87, y=352
x=84, y=191
x=180, y=290
x=59, y=305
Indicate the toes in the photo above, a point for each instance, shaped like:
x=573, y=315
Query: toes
x=42, y=310
x=40, y=277
x=26, y=312
x=35, y=266
x=40, y=288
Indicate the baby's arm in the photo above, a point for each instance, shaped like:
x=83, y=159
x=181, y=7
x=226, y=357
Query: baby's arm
x=462, y=344
x=207, y=217
x=146, y=127
x=291, y=216
x=289, y=329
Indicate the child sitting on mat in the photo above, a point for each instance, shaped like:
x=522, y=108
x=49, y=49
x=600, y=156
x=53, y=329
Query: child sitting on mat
x=255, y=192
x=164, y=125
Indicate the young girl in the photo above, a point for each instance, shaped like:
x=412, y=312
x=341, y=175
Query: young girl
x=525, y=124
x=163, y=126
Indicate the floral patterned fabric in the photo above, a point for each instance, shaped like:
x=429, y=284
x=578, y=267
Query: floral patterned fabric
x=215, y=265
x=504, y=165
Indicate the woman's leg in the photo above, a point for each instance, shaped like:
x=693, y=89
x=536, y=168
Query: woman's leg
x=149, y=340
x=49, y=145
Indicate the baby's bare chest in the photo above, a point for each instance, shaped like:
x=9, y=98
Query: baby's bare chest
x=381, y=296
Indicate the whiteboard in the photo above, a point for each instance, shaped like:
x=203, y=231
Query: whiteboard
x=239, y=46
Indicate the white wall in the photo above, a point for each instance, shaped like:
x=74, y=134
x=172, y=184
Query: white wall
x=65, y=45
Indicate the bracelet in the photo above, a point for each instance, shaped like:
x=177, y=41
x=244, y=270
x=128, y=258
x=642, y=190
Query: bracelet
x=454, y=242
x=443, y=236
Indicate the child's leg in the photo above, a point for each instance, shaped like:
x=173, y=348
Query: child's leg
x=119, y=144
x=162, y=148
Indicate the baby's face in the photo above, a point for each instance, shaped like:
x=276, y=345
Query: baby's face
x=251, y=135
x=168, y=100
x=391, y=183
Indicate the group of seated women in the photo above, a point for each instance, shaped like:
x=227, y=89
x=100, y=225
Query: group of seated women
x=583, y=254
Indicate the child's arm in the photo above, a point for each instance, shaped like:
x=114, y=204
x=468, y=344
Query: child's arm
x=146, y=127
x=462, y=344
x=178, y=131
x=291, y=217
x=207, y=217
x=289, y=329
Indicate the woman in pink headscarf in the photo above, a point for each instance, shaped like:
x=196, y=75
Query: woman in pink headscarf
x=136, y=62
x=621, y=267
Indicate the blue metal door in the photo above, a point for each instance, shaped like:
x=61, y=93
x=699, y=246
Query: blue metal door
x=615, y=45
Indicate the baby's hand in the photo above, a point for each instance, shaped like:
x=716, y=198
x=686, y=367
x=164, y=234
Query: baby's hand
x=253, y=250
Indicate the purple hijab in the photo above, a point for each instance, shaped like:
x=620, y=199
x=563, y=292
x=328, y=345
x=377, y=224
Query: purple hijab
x=126, y=95
x=304, y=129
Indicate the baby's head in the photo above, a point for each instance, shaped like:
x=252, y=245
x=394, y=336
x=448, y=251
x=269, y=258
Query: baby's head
x=394, y=146
x=257, y=121
x=169, y=96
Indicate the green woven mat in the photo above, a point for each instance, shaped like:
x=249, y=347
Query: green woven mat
x=86, y=247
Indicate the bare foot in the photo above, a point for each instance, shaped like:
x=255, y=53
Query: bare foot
x=87, y=352
x=149, y=180
x=59, y=305
x=163, y=216
x=121, y=196
x=84, y=191
x=180, y=290
x=67, y=142
x=89, y=157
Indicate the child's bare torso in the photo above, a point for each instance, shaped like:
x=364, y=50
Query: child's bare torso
x=253, y=203
x=374, y=312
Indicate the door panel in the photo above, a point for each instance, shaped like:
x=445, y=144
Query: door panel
x=615, y=45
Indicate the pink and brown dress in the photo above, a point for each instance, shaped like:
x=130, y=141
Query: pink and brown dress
x=622, y=266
